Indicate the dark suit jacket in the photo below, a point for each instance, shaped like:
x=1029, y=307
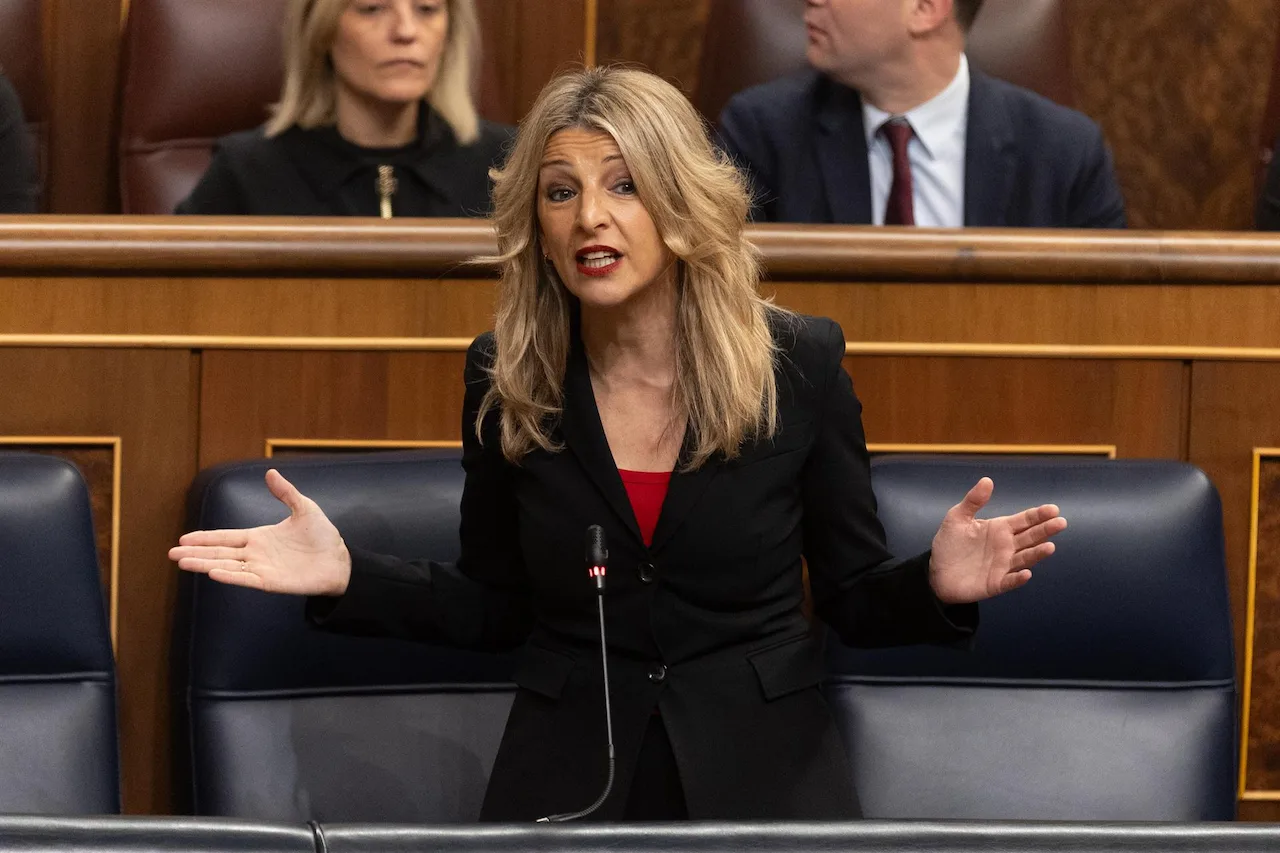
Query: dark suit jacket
x=705, y=625
x=1267, y=217
x=19, y=186
x=1029, y=162
x=316, y=172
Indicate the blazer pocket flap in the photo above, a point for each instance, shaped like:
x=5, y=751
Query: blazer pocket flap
x=543, y=670
x=788, y=667
x=792, y=438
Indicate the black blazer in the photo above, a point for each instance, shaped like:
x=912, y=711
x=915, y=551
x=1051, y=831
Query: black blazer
x=19, y=185
x=705, y=625
x=318, y=173
x=1267, y=216
x=1029, y=162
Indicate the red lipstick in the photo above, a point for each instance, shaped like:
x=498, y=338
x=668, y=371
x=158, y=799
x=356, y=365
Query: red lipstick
x=598, y=261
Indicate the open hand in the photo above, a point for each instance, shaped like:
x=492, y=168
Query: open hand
x=302, y=555
x=976, y=558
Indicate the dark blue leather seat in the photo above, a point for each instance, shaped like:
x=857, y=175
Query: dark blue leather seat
x=58, y=744
x=24, y=834
x=1103, y=690
x=859, y=836
x=204, y=835
x=288, y=722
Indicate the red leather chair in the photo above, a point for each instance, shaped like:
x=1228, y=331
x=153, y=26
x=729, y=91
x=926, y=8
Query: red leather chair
x=753, y=41
x=1025, y=42
x=22, y=58
x=195, y=70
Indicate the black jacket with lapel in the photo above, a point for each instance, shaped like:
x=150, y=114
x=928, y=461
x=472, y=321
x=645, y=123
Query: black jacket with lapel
x=711, y=633
x=315, y=172
x=1028, y=163
x=842, y=157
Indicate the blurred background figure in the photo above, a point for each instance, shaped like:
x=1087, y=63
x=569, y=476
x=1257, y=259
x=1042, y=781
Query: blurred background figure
x=891, y=126
x=1268, y=215
x=18, y=186
x=376, y=118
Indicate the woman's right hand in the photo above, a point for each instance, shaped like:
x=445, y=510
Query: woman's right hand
x=302, y=555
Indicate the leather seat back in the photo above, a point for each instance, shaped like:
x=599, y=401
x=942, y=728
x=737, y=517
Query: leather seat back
x=1103, y=690
x=288, y=722
x=192, y=72
x=58, y=744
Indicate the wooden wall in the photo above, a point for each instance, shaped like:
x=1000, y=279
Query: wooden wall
x=174, y=346
x=1179, y=86
x=82, y=49
x=525, y=43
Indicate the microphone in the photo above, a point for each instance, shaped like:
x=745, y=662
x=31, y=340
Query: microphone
x=597, y=566
x=597, y=556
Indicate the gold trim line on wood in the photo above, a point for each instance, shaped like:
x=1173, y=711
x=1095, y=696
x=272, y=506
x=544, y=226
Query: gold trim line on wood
x=461, y=344
x=246, y=342
x=1260, y=796
x=590, y=38
x=116, y=468
x=116, y=444
x=1098, y=351
x=353, y=444
x=1259, y=453
x=1107, y=450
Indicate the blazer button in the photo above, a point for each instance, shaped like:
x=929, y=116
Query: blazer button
x=658, y=673
x=646, y=572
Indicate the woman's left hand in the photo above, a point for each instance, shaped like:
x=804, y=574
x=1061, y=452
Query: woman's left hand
x=976, y=558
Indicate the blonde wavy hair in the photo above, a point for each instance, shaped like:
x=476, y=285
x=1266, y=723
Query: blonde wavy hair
x=725, y=351
x=309, y=100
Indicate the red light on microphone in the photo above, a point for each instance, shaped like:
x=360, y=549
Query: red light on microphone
x=595, y=572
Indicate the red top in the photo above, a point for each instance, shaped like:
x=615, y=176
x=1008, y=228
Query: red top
x=646, y=490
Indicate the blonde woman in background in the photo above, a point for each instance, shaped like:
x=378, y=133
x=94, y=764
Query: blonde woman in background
x=636, y=380
x=376, y=119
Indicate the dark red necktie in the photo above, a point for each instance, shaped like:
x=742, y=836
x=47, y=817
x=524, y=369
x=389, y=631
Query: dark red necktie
x=899, y=210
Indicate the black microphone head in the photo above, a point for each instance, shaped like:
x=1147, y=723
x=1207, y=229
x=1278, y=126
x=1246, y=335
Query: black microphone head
x=597, y=550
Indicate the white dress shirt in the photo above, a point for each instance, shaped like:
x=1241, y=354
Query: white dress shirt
x=936, y=152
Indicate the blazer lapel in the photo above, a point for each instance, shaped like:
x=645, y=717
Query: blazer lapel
x=990, y=156
x=584, y=436
x=683, y=492
x=842, y=155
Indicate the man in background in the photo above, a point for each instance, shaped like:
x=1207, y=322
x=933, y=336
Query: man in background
x=892, y=127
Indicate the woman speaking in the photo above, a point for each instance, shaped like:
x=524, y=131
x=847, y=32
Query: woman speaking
x=636, y=380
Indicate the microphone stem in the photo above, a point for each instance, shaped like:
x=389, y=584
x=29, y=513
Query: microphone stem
x=608, y=722
x=604, y=666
